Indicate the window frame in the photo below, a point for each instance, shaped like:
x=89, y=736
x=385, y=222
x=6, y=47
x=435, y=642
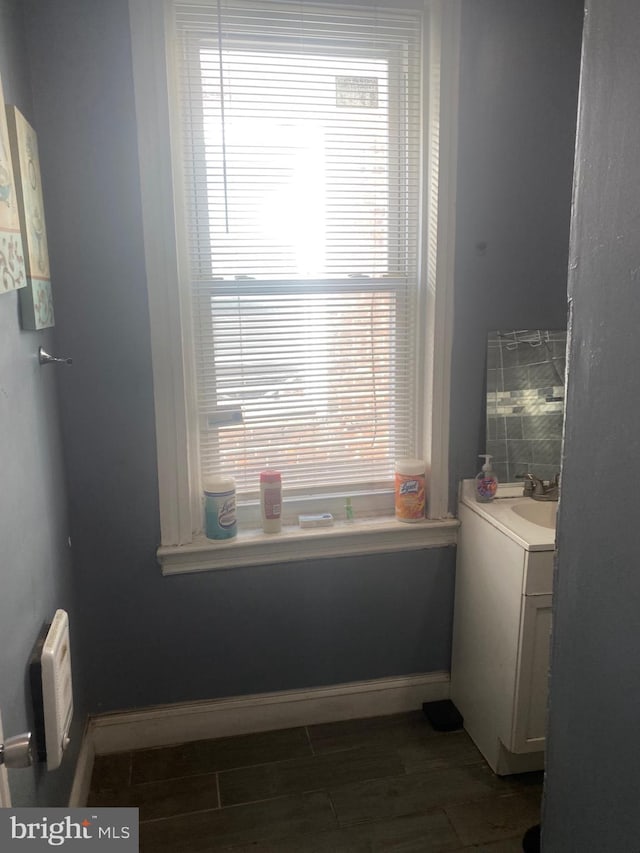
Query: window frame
x=163, y=220
x=403, y=164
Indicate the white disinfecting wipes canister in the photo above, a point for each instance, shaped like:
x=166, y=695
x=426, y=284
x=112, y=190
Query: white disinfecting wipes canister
x=220, y=508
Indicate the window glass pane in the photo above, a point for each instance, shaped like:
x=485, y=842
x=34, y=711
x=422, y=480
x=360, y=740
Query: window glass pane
x=297, y=172
x=313, y=377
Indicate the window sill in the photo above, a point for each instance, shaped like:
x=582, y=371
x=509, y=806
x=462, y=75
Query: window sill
x=255, y=548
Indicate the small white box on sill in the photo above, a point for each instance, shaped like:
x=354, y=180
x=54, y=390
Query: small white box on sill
x=323, y=520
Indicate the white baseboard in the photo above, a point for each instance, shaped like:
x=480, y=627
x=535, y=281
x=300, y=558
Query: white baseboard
x=167, y=724
x=179, y=723
x=84, y=769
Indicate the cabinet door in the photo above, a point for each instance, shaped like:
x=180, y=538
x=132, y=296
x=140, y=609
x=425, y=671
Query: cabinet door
x=530, y=707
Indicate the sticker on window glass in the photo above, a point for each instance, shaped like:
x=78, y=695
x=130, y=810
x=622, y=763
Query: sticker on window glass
x=354, y=92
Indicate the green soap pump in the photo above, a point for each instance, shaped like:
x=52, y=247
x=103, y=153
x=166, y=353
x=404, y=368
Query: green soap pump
x=486, y=481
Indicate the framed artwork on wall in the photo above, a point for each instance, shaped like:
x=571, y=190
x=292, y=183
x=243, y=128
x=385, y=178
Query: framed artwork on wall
x=12, y=269
x=36, y=301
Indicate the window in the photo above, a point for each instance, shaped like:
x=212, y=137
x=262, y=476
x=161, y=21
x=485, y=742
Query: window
x=301, y=164
x=294, y=315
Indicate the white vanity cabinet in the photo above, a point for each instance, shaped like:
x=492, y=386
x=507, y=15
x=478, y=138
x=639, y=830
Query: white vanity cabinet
x=501, y=635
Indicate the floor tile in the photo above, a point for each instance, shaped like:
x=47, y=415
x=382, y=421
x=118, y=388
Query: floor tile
x=452, y=749
x=427, y=833
x=111, y=772
x=332, y=841
x=207, y=756
x=359, y=786
x=527, y=781
x=422, y=833
x=394, y=729
x=507, y=845
x=415, y=792
x=307, y=774
x=205, y=832
x=418, y=744
x=494, y=819
x=165, y=798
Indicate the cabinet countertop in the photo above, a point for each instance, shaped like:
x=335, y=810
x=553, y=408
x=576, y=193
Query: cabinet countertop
x=500, y=513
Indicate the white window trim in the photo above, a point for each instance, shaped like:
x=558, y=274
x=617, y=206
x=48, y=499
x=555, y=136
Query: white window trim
x=180, y=509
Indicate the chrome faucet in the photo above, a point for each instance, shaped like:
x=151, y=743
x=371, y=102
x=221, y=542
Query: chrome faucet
x=537, y=489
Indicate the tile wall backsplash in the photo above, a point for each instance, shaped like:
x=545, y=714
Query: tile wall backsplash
x=525, y=402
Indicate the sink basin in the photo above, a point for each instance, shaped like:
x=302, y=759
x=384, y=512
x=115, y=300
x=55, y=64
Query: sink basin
x=532, y=524
x=538, y=512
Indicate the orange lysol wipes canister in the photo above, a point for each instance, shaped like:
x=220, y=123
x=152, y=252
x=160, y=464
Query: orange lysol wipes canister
x=410, y=489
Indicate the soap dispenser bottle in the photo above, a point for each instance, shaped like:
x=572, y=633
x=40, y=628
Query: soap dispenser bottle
x=486, y=481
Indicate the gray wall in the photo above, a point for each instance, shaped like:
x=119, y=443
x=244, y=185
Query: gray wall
x=518, y=95
x=156, y=640
x=35, y=561
x=593, y=755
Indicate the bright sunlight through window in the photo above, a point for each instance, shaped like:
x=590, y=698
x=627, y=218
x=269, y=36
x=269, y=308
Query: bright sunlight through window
x=301, y=134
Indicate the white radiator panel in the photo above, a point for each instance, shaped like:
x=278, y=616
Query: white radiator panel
x=57, y=688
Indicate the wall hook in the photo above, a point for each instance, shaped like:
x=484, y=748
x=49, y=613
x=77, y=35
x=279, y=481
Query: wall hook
x=45, y=358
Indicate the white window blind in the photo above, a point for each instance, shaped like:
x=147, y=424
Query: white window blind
x=301, y=152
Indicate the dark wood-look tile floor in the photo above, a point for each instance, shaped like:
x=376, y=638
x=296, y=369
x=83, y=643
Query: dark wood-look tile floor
x=381, y=784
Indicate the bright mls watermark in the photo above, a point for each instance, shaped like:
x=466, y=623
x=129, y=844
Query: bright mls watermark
x=108, y=830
